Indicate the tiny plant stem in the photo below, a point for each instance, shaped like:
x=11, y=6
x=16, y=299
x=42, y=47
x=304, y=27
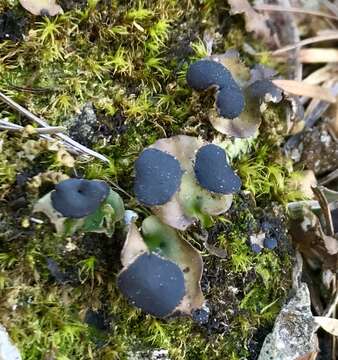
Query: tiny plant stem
x=325, y=208
x=296, y=10
x=44, y=124
x=6, y=125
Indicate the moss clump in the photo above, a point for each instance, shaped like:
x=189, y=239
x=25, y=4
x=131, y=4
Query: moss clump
x=129, y=59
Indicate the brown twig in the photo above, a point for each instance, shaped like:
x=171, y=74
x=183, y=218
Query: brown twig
x=311, y=40
x=317, y=190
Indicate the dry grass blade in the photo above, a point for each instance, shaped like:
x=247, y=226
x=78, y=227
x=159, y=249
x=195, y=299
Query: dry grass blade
x=312, y=40
x=325, y=209
x=69, y=141
x=297, y=10
x=318, y=55
x=302, y=89
x=320, y=75
x=329, y=178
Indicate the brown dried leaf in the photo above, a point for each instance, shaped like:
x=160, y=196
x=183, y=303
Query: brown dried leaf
x=308, y=356
x=40, y=7
x=318, y=55
x=323, y=37
x=133, y=246
x=328, y=324
x=312, y=242
x=254, y=21
x=302, y=89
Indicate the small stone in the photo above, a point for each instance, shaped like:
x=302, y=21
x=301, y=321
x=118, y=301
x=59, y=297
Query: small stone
x=83, y=128
x=8, y=351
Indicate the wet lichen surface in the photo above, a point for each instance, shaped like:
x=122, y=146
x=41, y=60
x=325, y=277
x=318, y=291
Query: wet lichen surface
x=59, y=298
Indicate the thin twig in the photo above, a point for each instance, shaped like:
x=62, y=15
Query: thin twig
x=6, y=125
x=43, y=123
x=308, y=41
x=317, y=190
x=329, y=178
x=277, y=8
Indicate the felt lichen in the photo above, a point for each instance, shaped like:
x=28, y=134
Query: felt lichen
x=162, y=272
x=200, y=179
x=79, y=204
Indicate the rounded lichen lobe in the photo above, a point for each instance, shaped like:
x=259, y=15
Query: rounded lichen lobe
x=77, y=198
x=334, y=215
x=213, y=171
x=205, y=73
x=230, y=101
x=154, y=284
x=158, y=177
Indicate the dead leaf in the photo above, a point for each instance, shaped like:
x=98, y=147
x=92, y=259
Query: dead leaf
x=303, y=89
x=42, y=7
x=318, y=55
x=328, y=324
x=309, y=237
x=308, y=356
x=255, y=22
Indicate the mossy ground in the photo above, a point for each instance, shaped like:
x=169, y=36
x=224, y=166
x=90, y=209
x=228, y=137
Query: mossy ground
x=58, y=296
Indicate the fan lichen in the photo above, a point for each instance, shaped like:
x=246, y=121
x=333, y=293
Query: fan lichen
x=129, y=59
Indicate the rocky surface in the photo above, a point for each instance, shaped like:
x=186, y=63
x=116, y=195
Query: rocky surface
x=8, y=351
x=293, y=333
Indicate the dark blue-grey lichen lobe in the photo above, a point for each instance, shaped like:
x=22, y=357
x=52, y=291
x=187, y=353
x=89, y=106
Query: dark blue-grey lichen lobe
x=213, y=171
x=334, y=215
x=203, y=74
x=77, y=198
x=157, y=177
x=265, y=89
x=153, y=284
x=230, y=101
